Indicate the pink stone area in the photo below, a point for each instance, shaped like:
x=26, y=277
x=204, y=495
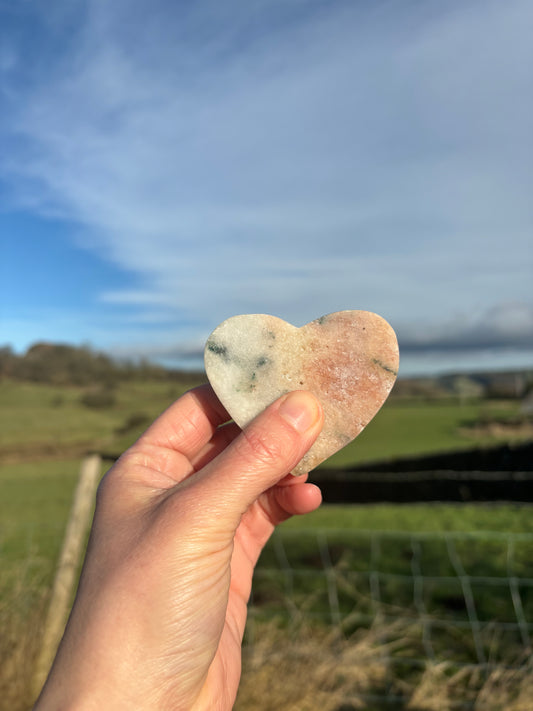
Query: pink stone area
x=348, y=360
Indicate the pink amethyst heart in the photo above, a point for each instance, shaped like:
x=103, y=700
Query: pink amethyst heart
x=348, y=360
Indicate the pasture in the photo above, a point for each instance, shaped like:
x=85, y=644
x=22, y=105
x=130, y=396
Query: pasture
x=39, y=421
x=313, y=595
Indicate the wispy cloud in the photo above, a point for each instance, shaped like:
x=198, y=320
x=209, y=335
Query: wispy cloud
x=293, y=157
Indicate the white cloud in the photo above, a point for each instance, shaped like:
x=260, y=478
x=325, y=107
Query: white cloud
x=292, y=158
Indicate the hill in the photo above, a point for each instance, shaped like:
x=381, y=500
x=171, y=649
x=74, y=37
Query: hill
x=62, y=364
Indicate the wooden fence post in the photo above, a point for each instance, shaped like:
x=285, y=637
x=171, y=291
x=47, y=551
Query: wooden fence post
x=68, y=567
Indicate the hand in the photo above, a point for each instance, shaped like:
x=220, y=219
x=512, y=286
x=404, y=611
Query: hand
x=180, y=522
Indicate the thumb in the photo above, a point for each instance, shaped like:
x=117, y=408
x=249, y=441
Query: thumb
x=268, y=449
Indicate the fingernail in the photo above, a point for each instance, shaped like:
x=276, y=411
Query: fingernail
x=300, y=410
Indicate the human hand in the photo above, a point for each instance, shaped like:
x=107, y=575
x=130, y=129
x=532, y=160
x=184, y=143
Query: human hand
x=179, y=524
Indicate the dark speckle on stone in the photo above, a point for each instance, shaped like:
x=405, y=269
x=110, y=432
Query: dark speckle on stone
x=218, y=349
x=261, y=361
x=385, y=367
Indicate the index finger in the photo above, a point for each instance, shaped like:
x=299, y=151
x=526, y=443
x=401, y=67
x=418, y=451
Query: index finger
x=188, y=424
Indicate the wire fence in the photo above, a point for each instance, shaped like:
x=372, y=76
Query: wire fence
x=460, y=599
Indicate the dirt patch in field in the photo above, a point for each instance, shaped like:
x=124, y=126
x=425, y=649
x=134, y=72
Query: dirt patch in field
x=44, y=451
x=522, y=429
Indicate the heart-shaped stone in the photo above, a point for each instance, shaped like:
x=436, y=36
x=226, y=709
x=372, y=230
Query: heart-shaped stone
x=348, y=360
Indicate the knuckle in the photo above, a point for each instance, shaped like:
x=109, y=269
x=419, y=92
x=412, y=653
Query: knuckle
x=112, y=484
x=189, y=429
x=266, y=447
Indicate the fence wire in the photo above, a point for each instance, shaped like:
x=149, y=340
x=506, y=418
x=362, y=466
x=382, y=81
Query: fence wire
x=463, y=599
x=466, y=598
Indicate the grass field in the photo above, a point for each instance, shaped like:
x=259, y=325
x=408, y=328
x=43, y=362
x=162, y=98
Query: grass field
x=386, y=540
x=415, y=428
x=42, y=421
x=34, y=504
x=426, y=607
x=44, y=432
x=46, y=420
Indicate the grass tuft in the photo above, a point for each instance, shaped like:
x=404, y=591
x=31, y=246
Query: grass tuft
x=305, y=668
x=22, y=611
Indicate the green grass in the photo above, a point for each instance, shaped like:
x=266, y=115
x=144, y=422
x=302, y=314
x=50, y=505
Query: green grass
x=44, y=431
x=50, y=421
x=35, y=500
x=417, y=518
x=410, y=429
x=47, y=419
x=371, y=555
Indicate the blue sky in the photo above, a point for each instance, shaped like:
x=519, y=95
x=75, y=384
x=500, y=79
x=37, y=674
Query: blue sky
x=165, y=165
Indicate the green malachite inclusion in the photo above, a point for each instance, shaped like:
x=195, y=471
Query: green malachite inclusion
x=385, y=367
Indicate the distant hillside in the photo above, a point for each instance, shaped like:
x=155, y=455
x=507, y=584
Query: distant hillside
x=494, y=385
x=62, y=364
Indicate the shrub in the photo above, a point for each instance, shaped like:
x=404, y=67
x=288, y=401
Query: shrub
x=135, y=421
x=98, y=398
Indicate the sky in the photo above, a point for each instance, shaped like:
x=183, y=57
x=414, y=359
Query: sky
x=167, y=164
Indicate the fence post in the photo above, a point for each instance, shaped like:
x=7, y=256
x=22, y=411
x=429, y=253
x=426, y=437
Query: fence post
x=67, y=567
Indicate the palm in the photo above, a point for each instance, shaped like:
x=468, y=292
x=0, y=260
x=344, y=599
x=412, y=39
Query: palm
x=224, y=674
x=179, y=525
